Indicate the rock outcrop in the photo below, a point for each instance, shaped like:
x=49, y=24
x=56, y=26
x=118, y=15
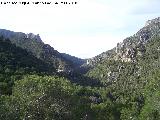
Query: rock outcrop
x=19, y=35
x=131, y=47
x=33, y=44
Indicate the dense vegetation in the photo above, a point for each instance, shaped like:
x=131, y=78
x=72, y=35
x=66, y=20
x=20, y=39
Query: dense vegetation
x=121, y=84
x=15, y=62
x=31, y=89
x=33, y=44
x=133, y=86
x=44, y=97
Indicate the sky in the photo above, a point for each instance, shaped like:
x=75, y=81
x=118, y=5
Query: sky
x=85, y=29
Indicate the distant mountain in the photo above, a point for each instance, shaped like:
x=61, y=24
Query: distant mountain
x=37, y=82
x=75, y=60
x=19, y=35
x=33, y=43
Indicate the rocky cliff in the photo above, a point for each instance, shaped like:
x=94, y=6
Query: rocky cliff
x=130, y=47
x=33, y=44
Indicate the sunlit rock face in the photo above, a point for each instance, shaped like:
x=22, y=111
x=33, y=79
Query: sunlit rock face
x=19, y=35
x=33, y=36
x=154, y=21
x=131, y=47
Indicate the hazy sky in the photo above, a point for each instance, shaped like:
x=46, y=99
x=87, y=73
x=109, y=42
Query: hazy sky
x=83, y=30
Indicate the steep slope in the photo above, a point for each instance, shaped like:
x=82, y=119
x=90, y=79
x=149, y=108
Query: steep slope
x=33, y=43
x=124, y=83
x=131, y=46
x=16, y=57
x=31, y=89
x=131, y=73
x=77, y=62
x=15, y=61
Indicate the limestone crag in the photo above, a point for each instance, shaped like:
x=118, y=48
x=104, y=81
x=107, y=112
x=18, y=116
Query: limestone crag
x=34, y=45
x=132, y=46
x=19, y=35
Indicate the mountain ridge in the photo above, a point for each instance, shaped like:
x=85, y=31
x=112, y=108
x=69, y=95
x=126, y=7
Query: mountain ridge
x=150, y=29
x=120, y=84
x=34, y=44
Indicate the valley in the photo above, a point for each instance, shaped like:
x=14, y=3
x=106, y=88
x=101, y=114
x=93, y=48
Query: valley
x=39, y=83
